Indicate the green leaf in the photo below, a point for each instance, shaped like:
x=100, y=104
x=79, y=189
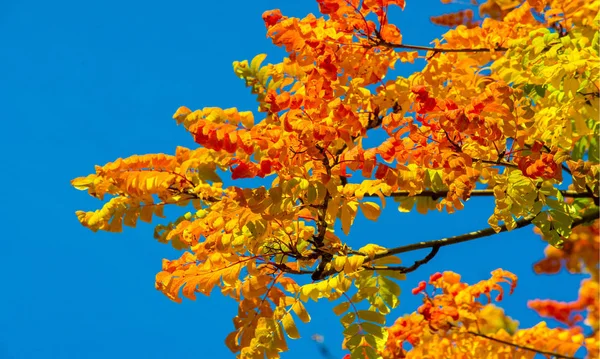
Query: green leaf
x=378, y=303
x=593, y=152
x=207, y=172
x=375, y=330
x=371, y=316
x=364, y=352
x=555, y=240
x=389, y=285
x=351, y=330
x=311, y=194
x=375, y=342
x=353, y=342
x=392, y=274
x=389, y=299
x=348, y=319
x=550, y=234
x=561, y=217
x=371, y=340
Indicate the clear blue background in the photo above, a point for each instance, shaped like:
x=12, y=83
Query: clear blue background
x=85, y=82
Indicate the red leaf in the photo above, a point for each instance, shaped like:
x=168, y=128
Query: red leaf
x=327, y=7
x=271, y=17
x=382, y=170
x=243, y=170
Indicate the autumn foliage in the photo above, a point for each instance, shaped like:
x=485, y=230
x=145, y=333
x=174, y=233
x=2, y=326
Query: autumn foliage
x=505, y=106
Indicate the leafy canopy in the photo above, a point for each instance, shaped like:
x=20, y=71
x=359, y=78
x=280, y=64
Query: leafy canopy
x=505, y=106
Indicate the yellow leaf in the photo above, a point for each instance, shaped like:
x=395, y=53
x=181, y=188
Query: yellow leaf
x=332, y=209
x=323, y=287
x=370, y=210
x=510, y=223
x=247, y=119
x=232, y=342
x=301, y=312
x=116, y=225
x=288, y=284
x=147, y=211
x=354, y=263
x=254, y=286
x=290, y=326
x=181, y=113
x=189, y=288
x=344, y=283
x=339, y=262
x=130, y=218
x=341, y=308
x=372, y=249
x=309, y=291
x=381, y=197
x=347, y=216
x=406, y=204
x=83, y=183
x=256, y=61
x=158, y=211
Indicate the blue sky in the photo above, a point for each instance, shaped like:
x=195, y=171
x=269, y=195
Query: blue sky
x=84, y=83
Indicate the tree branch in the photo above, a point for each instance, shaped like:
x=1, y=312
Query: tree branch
x=589, y=216
x=588, y=189
x=412, y=268
x=384, y=43
x=322, y=224
x=379, y=41
x=497, y=163
x=539, y=351
x=475, y=193
x=284, y=268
